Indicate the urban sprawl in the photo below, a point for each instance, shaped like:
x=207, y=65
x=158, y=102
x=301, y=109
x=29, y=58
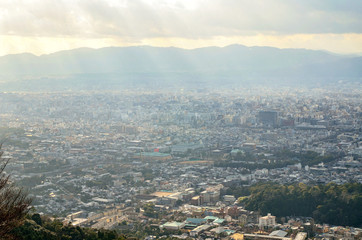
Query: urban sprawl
x=117, y=159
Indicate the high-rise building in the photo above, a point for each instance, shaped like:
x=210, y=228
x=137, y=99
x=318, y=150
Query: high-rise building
x=269, y=118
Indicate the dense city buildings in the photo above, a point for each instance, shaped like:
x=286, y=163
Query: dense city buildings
x=106, y=160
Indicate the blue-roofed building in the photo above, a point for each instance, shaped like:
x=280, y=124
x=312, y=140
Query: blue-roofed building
x=196, y=221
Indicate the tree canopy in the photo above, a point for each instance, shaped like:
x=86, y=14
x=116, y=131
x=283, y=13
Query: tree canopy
x=330, y=203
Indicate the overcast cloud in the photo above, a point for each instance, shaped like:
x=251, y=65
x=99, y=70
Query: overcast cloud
x=139, y=19
x=45, y=26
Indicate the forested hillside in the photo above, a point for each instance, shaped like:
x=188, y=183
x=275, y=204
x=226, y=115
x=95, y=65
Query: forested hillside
x=331, y=203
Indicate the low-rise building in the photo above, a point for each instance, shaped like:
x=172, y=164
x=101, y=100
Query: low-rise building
x=267, y=221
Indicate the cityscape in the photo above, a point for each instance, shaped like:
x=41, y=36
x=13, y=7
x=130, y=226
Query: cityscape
x=180, y=120
x=103, y=160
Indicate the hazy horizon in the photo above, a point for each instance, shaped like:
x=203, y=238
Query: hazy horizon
x=43, y=27
x=357, y=54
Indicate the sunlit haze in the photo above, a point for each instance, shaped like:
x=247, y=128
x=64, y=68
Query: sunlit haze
x=41, y=27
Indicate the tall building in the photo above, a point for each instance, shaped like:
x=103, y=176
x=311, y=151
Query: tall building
x=268, y=118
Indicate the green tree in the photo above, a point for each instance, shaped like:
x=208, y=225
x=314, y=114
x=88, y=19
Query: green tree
x=149, y=210
x=331, y=203
x=36, y=217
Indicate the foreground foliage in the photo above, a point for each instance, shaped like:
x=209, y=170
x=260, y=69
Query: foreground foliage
x=37, y=228
x=14, y=202
x=331, y=203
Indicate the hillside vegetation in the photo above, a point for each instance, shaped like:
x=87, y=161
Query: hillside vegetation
x=331, y=203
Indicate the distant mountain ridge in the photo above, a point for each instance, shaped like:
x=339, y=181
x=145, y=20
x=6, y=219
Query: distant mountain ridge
x=234, y=63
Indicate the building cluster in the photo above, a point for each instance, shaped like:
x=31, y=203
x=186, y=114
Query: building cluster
x=88, y=152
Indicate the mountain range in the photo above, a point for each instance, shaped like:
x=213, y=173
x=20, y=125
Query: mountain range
x=146, y=66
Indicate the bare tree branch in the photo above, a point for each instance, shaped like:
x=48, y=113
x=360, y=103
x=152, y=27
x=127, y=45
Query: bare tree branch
x=14, y=202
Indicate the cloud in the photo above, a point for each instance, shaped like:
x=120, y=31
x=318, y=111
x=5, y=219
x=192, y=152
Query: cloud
x=136, y=20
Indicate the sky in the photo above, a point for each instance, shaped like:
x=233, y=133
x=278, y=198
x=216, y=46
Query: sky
x=46, y=26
